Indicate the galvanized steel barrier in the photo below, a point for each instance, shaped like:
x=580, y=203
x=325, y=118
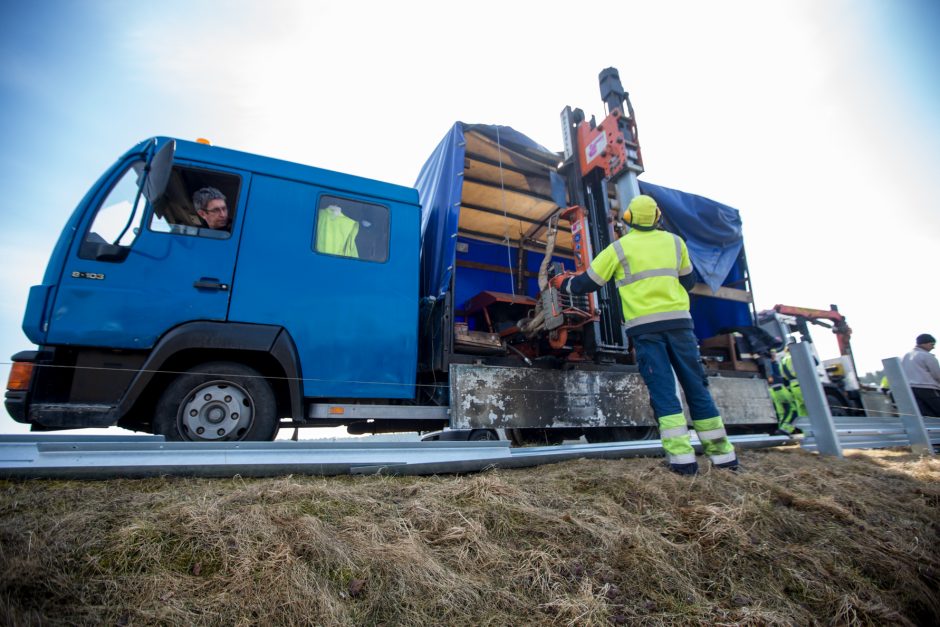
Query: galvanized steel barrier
x=103, y=457
x=829, y=435
x=109, y=457
x=870, y=432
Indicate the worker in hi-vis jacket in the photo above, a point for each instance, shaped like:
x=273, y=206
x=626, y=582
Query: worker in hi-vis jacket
x=653, y=275
x=793, y=383
x=784, y=404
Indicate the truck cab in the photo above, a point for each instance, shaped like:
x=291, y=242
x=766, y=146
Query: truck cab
x=217, y=322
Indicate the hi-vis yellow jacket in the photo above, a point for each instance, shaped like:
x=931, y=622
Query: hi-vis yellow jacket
x=336, y=234
x=646, y=266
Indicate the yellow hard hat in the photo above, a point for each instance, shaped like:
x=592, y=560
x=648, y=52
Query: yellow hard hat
x=642, y=211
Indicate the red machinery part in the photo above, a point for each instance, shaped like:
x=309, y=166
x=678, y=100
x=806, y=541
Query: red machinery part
x=575, y=317
x=605, y=146
x=577, y=218
x=840, y=328
x=558, y=338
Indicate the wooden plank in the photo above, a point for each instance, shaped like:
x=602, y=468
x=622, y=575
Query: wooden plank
x=723, y=293
x=531, y=245
x=462, y=263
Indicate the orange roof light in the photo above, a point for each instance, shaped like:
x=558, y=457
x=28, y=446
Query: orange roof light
x=337, y=410
x=203, y=140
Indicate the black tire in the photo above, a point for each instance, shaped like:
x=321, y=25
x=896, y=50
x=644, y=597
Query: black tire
x=481, y=435
x=751, y=429
x=216, y=402
x=599, y=435
x=536, y=437
x=838, y=406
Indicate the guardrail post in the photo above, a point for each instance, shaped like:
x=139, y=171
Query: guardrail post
x=911, y=417
x=824, y=429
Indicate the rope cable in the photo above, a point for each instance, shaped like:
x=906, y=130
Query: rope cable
x=502, y=191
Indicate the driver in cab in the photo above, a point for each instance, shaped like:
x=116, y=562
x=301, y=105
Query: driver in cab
x=210, y=206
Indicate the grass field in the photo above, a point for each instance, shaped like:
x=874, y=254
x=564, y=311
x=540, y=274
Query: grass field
x=793, y=539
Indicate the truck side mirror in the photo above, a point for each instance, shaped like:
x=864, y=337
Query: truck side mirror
x=160, y=167
x=156, y=176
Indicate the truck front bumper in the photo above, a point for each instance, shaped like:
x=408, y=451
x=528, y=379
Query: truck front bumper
x=15, y=402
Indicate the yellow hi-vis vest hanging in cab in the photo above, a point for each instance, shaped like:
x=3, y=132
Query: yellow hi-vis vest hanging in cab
x=646, y=266
x=336, y=233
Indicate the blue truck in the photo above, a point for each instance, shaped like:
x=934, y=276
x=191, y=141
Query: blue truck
x=326, y=299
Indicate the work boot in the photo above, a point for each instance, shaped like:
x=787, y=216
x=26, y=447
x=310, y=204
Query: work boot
x=684, y=469
x=733, y=466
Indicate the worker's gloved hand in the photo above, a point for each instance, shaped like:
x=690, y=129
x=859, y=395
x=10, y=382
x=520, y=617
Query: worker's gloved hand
x=560, y=281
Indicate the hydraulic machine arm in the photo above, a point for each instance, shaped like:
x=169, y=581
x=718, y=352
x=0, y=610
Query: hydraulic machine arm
x=603, y=160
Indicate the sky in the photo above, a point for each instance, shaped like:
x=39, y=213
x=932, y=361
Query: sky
x=819, y=120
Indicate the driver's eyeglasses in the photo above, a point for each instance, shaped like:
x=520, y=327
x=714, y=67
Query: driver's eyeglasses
x=216, y=210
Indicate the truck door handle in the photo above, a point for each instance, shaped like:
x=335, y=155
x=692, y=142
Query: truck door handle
x=206, y=283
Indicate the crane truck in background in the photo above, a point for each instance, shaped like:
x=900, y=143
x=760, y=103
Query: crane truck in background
x=333, y=300
x=845, y=395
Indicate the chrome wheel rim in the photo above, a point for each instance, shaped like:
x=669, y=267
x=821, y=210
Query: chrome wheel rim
x=216, y=411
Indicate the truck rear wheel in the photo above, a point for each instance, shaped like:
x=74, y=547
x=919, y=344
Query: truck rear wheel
x=482, y=435
x=535, y=437
x=599, y=435
x=217, y=402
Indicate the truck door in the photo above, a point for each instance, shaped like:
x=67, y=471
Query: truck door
x=132, y=273
x=339, y=271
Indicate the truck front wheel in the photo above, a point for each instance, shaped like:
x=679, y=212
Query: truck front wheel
x=216, y=402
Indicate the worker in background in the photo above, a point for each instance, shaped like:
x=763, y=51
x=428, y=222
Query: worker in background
x=653, y=274
x=210, y=206
x=780, y=394
x=793, y=384
x=923, y=375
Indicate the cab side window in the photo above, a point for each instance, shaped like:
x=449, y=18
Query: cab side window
x=352, y=228
x=198, y=203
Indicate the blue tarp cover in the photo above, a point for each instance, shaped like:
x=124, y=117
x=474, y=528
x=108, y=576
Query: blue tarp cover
x=711, y=230
x=440, y=185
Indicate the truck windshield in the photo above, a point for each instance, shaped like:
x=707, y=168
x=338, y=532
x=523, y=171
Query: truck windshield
x=116, y=210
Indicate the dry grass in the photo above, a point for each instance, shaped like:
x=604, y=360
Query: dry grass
x=796, y=539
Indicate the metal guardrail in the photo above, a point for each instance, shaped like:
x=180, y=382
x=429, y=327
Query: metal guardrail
x=868, y=432
x=829, y=435
x=110, y=457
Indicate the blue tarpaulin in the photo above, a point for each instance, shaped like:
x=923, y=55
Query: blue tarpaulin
x=440, y=185
x=711, y=230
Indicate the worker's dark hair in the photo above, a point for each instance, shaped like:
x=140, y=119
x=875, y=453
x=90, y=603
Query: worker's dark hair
x=202, y=197
x=925, y=338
